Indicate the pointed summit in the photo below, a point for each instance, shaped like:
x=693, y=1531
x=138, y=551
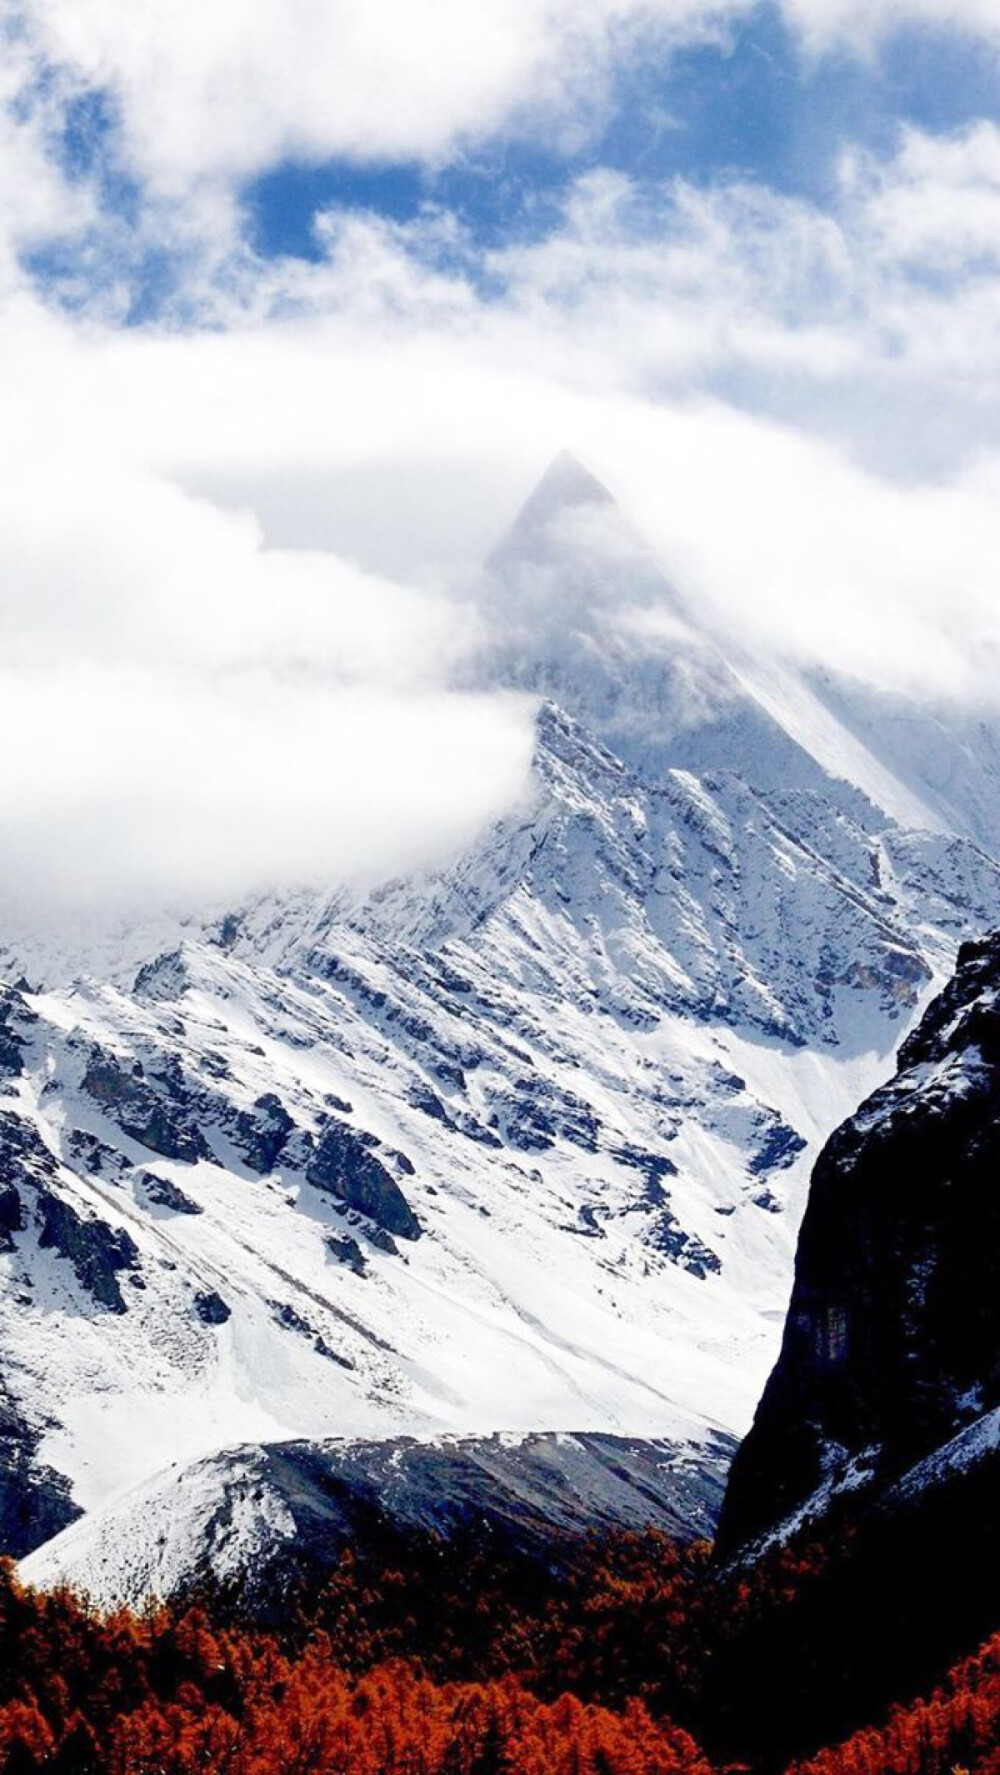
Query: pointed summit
x=566, y=486
x=580, y=611
x=570, y=512
x=565, y=482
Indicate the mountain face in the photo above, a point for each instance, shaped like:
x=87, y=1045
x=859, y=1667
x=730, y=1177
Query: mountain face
x=516, y=1146
x=888, y=1381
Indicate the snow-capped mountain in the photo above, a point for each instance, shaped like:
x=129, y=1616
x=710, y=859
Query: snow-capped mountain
x=585, y=616
x=518, y=1146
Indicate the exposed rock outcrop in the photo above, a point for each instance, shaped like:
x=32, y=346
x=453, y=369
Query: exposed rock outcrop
x=157, y=1116
x=11, y=1215
x=98, y=1252
x=161, y=1192
x=344, y=1166
x=211, y=1308
x=35, y=1501
x=889, y=1373
x=261, y=1134
x=874, y=1458
x=16, y=1021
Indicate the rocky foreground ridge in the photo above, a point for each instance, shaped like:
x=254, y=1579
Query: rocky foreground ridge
x=265, y=1520
x=888, y=1381
x=873, y=1464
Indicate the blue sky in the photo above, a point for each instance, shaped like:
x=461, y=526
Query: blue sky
x=772, y=93
x=753, y=103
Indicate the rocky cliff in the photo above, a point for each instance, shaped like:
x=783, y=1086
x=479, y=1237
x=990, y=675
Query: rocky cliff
x=889, y=1373
x=870, y=1475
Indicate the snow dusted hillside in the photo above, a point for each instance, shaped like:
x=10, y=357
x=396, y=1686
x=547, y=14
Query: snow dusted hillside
x=270, y=1516
x=518, y=1146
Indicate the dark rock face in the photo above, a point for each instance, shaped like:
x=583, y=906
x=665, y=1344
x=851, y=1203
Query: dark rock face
x=172, y=1115
x=344, y=1166
x=24, y=1155
x=654, y=1167
x=160, y=1192
x=27, y=1168
x=16, y=1020
x=348, y=1252
x=779, y=1148
x=211, y=1308
x=382, y=1241
x=685, y=1249
x=892, y=1343
x=97, y=1252
x=536, y=1112
x=35, y=1500
x=158, y=1115
x=11, y=1215
x=262, y=1133
x=91, y=1154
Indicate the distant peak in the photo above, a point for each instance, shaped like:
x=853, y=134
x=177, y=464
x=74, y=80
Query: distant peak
x=565, y=483
x=566, y=486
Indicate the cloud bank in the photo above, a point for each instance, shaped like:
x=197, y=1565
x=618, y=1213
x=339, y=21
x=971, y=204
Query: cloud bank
x=233, y=537
x=194, y=718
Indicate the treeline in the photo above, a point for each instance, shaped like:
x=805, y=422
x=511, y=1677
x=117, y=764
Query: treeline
x=171, y=1694
x=447, y=1661
x=956, y=1729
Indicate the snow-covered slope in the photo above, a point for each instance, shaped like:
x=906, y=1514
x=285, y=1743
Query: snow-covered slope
x=517, y=1146
x=266, y=1518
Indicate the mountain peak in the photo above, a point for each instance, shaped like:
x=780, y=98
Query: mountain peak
x=567, y=482
x=582, y=612
x=566, y=487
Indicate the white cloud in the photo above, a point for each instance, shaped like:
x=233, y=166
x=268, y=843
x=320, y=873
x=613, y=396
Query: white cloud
x=628, y=335
x=857, y=24
x=223, y=90
x=224, y=543
x=936, y=206
x=896, y=279
x=209, y=95
x=196, y=716
x=133, y=569
x=141, y=789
